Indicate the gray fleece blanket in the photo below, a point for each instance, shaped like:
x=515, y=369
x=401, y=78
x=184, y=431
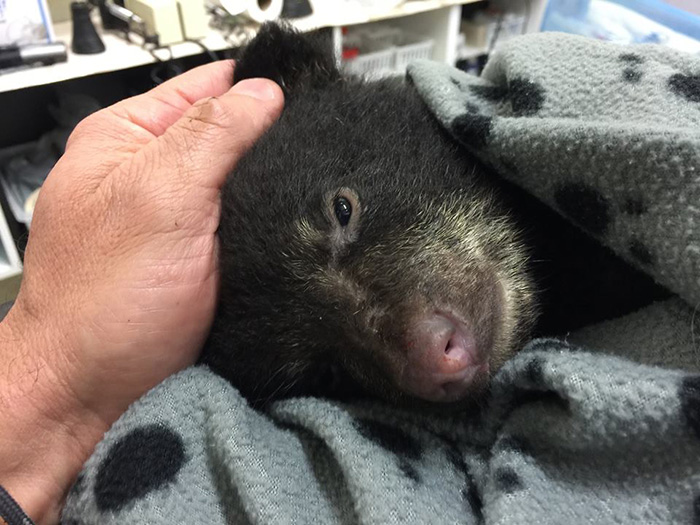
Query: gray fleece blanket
x=609, y=136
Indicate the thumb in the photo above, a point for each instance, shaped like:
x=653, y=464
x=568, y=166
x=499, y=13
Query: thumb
x=205, y=144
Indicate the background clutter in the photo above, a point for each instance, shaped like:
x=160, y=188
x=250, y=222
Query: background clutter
x=51, y=50
x=380, y=49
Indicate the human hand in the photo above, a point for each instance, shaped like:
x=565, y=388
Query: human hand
x=120, y=275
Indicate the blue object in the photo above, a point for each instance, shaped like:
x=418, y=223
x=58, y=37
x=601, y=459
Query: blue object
x=587, y=17
x=672, y=17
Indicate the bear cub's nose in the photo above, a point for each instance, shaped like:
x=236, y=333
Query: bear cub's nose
x=443, y=361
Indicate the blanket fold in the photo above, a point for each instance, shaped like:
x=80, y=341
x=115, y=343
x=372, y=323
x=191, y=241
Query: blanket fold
x=566, y=435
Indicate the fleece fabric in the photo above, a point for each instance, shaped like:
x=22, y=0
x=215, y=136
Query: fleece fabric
x=606, y=134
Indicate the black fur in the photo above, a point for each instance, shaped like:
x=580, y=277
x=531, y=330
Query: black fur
x=296, y=62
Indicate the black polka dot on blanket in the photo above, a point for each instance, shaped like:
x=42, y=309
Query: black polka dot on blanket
x=472, y=130
x=631, y=73
x=686, y=86
x=585, y=206
x=526, y=97
x=689, y=395
x=640, y=252
x=633, y=76
x=696, y=511
x=507, y=480
x=146, y=459
x=631, y=58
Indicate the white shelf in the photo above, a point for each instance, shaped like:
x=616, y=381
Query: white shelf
x=329, y=16
x=121, y=54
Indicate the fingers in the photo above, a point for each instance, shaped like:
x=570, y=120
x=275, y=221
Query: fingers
x=130, y=123
x=158, y=109
x=204, y=145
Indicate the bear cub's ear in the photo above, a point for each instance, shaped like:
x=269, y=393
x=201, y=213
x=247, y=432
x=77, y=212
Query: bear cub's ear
x=294, y=60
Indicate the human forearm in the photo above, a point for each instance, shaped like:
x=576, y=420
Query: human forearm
x=45, y=435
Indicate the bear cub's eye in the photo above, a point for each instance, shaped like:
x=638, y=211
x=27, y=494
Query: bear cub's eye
x=343, y=210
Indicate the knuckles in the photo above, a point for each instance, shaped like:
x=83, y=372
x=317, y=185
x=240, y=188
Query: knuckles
x=87, y=129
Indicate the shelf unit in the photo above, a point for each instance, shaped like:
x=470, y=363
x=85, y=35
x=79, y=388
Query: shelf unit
x=438, y=20
x=121, y=54
x=327, y=14
x=440, y=23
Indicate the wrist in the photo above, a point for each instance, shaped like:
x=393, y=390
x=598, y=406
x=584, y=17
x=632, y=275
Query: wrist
x=45, y=433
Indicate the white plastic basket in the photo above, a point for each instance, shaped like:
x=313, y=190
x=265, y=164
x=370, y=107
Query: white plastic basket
x=372, y=65
x=385, y=50
x=408, y=53
x=382, y=36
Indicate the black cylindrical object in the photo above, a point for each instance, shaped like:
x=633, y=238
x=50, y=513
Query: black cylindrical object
x=10, y=57
x=296, y=9
x=86, y=41
x=14, y=56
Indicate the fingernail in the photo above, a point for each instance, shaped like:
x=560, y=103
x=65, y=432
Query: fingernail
x=259, y=88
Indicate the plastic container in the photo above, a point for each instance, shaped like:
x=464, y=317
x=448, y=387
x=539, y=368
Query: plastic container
x=406, y=54
x=372, y=65
x=382, y=49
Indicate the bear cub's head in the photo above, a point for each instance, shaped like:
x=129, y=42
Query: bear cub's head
x=359, y=242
